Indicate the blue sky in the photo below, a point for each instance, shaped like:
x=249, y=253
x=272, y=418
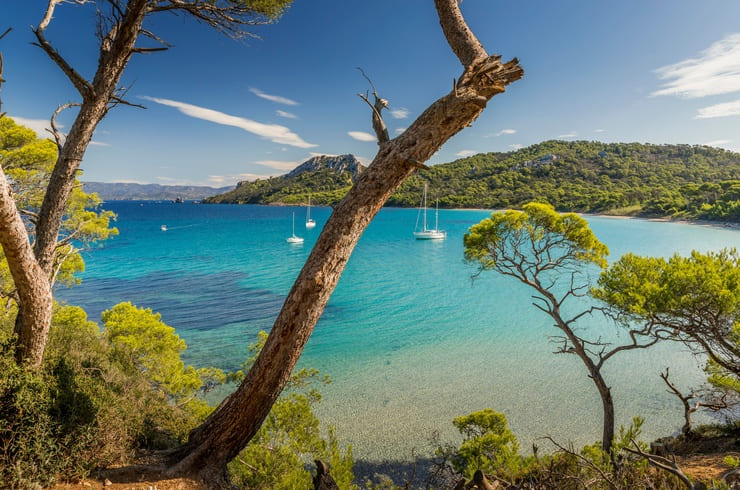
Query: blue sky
x=219, y=111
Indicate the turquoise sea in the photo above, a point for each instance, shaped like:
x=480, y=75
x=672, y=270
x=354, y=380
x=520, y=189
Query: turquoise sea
x=408, y=339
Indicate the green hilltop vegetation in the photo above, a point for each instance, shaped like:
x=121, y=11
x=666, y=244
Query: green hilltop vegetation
x=678, y=181
x=326, y=178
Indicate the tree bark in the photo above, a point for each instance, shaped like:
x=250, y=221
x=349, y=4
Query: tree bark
x=232, y=425
x=33, y=286
x=594, y=372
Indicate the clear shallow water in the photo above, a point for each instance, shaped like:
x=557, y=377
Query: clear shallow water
x=409, y=341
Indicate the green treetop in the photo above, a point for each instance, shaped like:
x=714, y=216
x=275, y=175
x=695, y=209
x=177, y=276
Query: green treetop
x=28, y=162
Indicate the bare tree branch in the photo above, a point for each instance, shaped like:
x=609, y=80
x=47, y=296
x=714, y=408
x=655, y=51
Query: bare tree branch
x=381, y=130
x=80, y=83
x=662, y=463
x=58, y=136
x=2, y=80
x=585, y=460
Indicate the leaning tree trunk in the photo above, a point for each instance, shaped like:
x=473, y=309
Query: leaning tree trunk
x=34, y=291
x=233, y=424
x=594, y=372
x=34, y=318
x=607, y=403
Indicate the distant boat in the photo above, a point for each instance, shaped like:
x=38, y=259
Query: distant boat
x=310, y=223
x=179, y=200
x=293, y=238
x=426, y=233
x=163, y=227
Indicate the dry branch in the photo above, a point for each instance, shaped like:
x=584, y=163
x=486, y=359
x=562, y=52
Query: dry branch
x=381, y=130
x=662, y=463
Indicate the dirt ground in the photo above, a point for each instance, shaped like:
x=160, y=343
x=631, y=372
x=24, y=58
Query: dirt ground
x=699, y=459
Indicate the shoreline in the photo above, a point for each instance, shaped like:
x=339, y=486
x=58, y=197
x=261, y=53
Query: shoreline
x=666, y=219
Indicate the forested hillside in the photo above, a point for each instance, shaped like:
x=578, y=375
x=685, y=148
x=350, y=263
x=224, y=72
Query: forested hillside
x=629, y=178
x=683, y=181
x=326, y=178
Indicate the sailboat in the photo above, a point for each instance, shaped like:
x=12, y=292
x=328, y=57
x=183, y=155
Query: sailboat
x=293, y=238
x=310, y=223
x=427, y=233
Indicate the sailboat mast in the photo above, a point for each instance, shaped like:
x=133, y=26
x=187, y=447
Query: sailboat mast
x=425, y=206
x=436, y=217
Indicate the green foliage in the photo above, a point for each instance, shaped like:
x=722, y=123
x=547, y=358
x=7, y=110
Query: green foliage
x=539, y=228
x=488, y=445
x=290, y=438
x=271, y=9
x=654, y=285
x=696, y=298
x=325, y=187
x=140, y=337
x=90, y=405
x=731, y=462
x=34, y=447
x=28, y=162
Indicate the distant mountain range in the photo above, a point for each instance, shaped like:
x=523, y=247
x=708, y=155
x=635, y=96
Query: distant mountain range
x=118, y=191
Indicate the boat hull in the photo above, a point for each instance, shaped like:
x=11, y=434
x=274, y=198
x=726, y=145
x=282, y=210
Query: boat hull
x=430, y=235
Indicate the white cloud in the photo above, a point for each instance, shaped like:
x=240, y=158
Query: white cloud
x=466, y=153
x=719, y=110
x=572, y=134
x=273, y=98
x=516, y=146
x=315, y=154
x=716, y=71
x=361, y=135
x=364, y=160
x=400, y=113
x=717, y=142
x=38, y=125
x=278, y=165
x=400, y=130
x=98, y=143
x=272, y=132
x=288, y=115
x=506, y=131
x=599, y=130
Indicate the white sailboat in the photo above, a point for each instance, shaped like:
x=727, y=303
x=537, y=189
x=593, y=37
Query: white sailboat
x=310, y=223
x=293, y=238
x=427, y=233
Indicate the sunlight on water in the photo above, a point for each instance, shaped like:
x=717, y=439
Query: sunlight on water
x=408, y=339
